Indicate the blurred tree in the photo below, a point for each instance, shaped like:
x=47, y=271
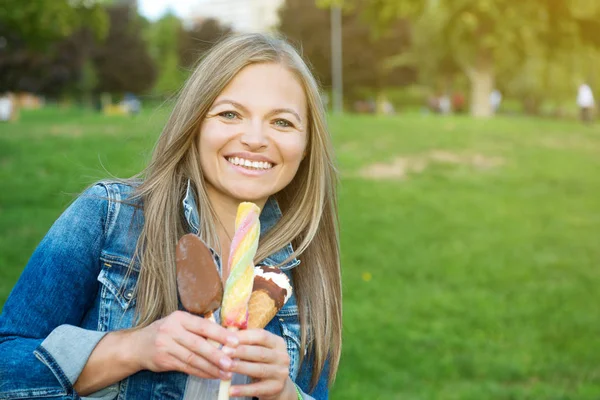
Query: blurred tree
x=49, y=71
x=40, y=22
x=308, y=27
x=197, y=40
x=87, y=83
x=122, y=62
x=364, y=52
x=430, y=56
x=163, y=38
x=480, y=34
x=44, y=43
x=171, y=77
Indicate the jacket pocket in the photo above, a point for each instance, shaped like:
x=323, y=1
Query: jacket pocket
x=290, y=329
x=118, y=297
x=37, y=393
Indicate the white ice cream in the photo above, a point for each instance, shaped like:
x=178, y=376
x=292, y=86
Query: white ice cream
x=279, y=278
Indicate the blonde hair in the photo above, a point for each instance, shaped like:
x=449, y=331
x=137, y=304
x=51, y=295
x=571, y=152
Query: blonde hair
x=308, y=203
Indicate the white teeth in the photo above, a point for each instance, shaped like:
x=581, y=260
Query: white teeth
x=250, y=164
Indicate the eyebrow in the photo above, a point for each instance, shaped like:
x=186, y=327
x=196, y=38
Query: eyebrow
x=273, y=112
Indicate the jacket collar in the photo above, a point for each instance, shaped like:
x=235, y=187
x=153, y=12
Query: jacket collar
x=270, y=214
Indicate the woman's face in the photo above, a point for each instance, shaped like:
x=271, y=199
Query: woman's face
x=254, y=135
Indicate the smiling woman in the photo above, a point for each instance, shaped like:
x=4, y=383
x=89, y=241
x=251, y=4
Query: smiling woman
x=249, y=146
x=248, y=126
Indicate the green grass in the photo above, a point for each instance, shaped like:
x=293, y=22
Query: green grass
x=460, y=281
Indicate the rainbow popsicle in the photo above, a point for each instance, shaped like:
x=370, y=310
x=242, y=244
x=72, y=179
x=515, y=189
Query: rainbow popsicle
x=240, y=274
x=240, y=277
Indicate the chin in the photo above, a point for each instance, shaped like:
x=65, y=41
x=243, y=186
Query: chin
x=250, y=195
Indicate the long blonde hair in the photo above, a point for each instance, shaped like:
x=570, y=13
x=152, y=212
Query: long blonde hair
x=308, y=203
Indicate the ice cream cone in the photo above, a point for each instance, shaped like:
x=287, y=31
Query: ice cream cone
x=270, y=292
x=261, y=309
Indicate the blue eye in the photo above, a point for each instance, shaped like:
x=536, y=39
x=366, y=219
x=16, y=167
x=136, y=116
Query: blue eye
x=283, y=123
x=228, y=115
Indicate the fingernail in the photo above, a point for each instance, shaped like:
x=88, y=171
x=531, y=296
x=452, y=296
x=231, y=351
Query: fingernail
x=225, y=375
x=225, y=362
x=233, y=391
x=228, y=350
x=232, y=341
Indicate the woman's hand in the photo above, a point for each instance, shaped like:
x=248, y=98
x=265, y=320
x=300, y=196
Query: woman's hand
x=180, y=342
x=262, y=356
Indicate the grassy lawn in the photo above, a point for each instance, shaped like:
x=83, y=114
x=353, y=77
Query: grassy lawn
x=470, y=248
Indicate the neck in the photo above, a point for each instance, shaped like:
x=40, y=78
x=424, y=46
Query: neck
x=225, y=208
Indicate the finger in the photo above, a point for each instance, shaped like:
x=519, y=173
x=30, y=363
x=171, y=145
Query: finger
x=257, y=389
x=261, y=371
x=208, y=329
x=259, y=354
x=202, y=348
x=190, y=362
x=258, y=337
x=190, y=370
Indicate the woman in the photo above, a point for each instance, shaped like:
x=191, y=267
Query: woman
x=96, y=312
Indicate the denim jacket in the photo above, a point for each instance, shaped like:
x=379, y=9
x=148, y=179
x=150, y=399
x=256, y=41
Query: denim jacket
x=75, y=289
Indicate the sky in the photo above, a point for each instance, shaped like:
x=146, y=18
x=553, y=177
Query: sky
x=238, y=14
x=154, y=9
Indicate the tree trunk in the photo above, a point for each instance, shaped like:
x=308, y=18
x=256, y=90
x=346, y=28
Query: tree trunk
x=481, y=77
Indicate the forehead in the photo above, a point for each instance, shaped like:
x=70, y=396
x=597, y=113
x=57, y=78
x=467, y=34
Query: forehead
x=266, y=85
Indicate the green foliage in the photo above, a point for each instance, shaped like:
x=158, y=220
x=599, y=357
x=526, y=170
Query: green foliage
x=122, y=62
x=46, y=43
x=89, y=79
x=460, y=282
x=364, y=52
x=171, y=77
x=163, y=38
x=429, y=53
x=198, y=39
x=485, y=38
x=51, y=71
x=40, y=22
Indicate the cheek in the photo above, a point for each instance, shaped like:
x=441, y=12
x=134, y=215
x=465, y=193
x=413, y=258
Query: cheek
x=293, y=148
x=209, y=136
x=209, y=142
x=213, y=137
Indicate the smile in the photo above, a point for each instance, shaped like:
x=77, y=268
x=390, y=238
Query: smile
x=256, y=165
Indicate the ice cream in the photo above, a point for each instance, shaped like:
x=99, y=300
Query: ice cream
x=272, y=289
x=198, y=280
x=240, y=274
x=238, y=287
x=201, y=291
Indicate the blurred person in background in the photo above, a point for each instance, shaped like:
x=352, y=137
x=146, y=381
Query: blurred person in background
x=388, y=108
x=132, y=104
x=445, y=104
x=459, y=102
x=495, y=100
x=6, y=107
x=585, y=101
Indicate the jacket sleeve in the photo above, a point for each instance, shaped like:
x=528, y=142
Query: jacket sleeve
x=41, y=347
x=321, y=391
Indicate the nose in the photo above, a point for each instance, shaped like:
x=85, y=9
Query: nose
x=254, y=136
